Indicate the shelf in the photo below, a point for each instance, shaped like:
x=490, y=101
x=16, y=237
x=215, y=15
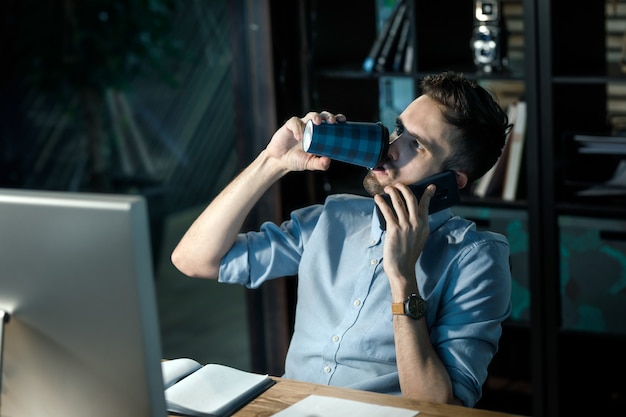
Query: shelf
x=601, y=207
x=612, y=73
x=470, y=73
x=473, y=201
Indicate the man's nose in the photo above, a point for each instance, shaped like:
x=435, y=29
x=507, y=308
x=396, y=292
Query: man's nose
x=393, y=151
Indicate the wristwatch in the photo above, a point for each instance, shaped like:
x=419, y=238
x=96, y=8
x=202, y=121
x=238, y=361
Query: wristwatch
x=414, y=307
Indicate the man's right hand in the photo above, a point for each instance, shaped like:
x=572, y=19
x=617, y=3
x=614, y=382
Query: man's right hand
x=286, y=144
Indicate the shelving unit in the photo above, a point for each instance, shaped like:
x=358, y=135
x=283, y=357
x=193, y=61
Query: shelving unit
x=581, y=363
x=564, y=354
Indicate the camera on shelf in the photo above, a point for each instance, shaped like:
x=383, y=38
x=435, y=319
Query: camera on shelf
x=489, y=36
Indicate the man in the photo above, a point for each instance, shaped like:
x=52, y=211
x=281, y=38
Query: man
x=351, y=274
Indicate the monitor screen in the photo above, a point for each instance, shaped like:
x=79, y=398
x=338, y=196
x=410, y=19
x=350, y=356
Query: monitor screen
x=76, y=278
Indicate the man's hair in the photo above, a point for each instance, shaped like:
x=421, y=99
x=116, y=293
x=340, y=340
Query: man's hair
x=482, y=124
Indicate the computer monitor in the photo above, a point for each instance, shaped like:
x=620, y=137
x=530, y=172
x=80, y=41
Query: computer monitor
x=76, y=279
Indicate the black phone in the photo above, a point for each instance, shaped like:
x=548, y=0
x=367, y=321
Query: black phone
x=446, y=195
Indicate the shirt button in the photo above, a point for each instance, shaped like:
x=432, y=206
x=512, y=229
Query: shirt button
x=335, y=338
x=374, y=261
x=357, y=302
x=372, y=242
x=327, y=369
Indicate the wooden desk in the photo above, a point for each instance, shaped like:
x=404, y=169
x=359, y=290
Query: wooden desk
x=286, y=392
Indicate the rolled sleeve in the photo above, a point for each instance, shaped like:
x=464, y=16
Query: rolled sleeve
x=272, y=252
x=468, y=327
x=234, y=267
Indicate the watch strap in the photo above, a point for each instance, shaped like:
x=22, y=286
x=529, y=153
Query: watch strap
x=397, y=308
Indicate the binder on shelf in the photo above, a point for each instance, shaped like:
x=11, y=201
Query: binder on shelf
x=516, y=150
x=372, y=57
x=491, y=184
x=386, y=52
x=403, y=41
x=409, y=53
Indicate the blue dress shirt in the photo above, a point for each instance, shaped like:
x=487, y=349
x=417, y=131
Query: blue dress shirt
x=343, y=333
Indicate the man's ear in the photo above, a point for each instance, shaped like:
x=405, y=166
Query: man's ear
x=461, y=179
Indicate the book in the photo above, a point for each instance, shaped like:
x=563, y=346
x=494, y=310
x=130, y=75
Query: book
x=408, y=58
x=409, y=53
x=382, y=62
x=403, y=40
x=372, y=56
x=593, y=144
x=491, y=183
x=211, y=390
x=616, y=185
x=516, y=150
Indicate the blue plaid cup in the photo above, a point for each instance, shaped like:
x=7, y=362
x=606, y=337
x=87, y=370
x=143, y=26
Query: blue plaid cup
x=358, y=143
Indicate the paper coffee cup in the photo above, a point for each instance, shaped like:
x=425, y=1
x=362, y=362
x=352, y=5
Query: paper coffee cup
x=358, y=143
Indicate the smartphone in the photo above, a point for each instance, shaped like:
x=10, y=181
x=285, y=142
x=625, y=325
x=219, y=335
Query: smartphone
x=446, y=195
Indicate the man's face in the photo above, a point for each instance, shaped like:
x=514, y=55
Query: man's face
x=419, y=145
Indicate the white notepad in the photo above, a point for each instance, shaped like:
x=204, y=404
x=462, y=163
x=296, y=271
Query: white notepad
x=320, y=406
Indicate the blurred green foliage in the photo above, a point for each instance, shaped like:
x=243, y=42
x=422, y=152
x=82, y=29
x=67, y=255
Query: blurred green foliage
x=76, y=44
x=75, y=51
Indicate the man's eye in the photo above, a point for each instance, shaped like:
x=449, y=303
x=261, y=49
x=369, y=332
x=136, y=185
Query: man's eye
x=399, y=130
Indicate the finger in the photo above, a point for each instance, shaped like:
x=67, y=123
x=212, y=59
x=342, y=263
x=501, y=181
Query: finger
x=323, y=116
x=385, y=209
x=331, y=117
x=312, y=115
x=409, y=202
x=424, y=203
x=296, y=126
x=407, y=194
x=398, y=202
x=318, y=163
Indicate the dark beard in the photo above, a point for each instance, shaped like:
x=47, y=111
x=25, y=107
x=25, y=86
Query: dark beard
x=371, y=184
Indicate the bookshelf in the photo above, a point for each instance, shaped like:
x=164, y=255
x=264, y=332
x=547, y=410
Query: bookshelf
x=572, y=82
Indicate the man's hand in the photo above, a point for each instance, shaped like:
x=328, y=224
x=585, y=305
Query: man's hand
x=406, y=232
x=286, y=144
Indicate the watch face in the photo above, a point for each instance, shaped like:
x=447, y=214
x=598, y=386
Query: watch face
x=416, y=307
x=412, y=310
